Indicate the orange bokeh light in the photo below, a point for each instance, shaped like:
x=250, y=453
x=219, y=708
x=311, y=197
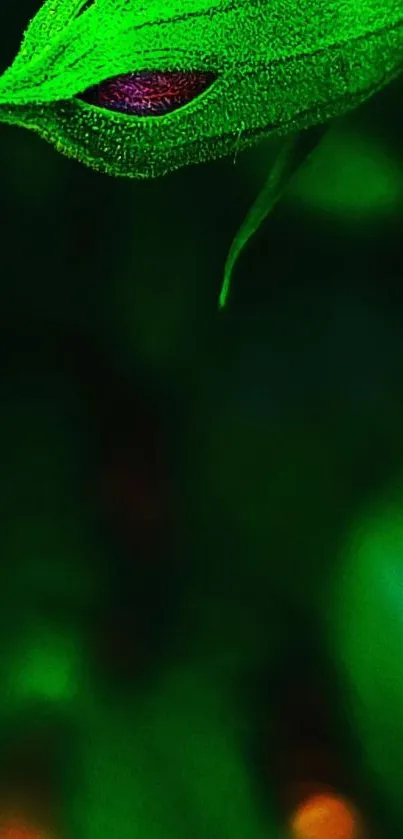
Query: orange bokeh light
x=16, y=829
x=324, y=816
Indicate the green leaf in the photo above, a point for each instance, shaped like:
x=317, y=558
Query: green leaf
x=294, y=151
x=49, y=22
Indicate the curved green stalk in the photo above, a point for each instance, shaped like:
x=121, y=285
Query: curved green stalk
x=294, y=151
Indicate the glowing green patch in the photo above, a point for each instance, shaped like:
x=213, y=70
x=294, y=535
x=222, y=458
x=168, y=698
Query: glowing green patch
x=45, y=667
x=352, y=177
x=363, y=613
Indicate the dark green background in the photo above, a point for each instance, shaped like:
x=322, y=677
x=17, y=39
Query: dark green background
x=184, y=477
